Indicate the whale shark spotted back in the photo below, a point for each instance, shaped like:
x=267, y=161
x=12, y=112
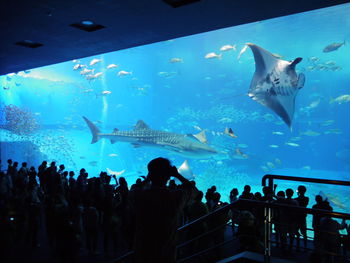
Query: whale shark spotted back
x=142, y=135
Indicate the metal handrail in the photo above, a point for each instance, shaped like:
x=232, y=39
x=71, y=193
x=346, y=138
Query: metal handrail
x=185, y=243
x=269, y=177
x=123, y=257
x=209, y=215
x=269, y=205
x=205, y=250
x=255, y=203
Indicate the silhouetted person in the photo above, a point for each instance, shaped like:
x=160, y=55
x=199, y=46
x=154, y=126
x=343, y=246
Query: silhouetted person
x=9, y=165
x=41, y=174
x=194, y=211
x=61, y=168
x=246, y=194
x=172, y=185
x=91, y=227
x=301, y=226
x=247, y=233
x=291, y=216
x=280, y=218
x=157, y=210
x=217, y=222
x=330, y=239
x=209, y=197
x=34, y=196
x=81, y=183
x=320, y=204
x=71, y=180
x=22, y=178
x=234, y=212
x=137, y=184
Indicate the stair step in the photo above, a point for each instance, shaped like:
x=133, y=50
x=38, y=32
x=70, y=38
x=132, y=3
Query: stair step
x=251, y=257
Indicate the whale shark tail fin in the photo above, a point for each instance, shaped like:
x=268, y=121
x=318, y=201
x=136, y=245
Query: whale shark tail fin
x=94, y=130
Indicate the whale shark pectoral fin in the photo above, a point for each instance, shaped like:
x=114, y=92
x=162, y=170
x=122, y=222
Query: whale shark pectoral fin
x=113, y=141
x=136, y=145
x=301, y=80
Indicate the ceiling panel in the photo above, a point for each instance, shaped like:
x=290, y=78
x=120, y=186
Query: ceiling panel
x=127, y=24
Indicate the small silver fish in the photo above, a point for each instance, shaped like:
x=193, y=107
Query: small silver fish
x=333, y=47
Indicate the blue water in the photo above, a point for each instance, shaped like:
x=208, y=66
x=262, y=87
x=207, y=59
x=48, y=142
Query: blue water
x=196, y=93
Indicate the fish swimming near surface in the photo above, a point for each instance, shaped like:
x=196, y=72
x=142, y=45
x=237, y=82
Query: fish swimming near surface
x=123, y=73
x=341, y=99
x=275, y=83
x=142, y=135
x=310, y=133
x=333, y=47
x=175, y=60
x=334, y=131
x=243, y=50
x=78, y=66
x=292, y=144
x=277, y=133
x=95, y=61
x=110, y=66
x=212, y=55
x=106, y=92
x=239, y=154
x=86, y=71
x=228, y=47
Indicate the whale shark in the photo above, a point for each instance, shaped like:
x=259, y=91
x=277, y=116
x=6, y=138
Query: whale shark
x=185, y=145
x=275, y=83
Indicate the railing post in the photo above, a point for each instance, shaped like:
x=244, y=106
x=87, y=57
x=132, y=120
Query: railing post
x=268, y=226
x=267, y=234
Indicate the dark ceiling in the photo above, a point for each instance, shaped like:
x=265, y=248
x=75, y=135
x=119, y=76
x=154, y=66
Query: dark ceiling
x=127, y=24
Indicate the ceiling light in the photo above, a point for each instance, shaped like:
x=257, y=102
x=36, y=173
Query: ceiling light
x=178, y=3
x=87, y=25
x=28, y=43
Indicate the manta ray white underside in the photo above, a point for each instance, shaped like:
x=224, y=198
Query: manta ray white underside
x=275, y=83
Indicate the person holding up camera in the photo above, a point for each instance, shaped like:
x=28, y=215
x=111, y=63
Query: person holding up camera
x=157, y=210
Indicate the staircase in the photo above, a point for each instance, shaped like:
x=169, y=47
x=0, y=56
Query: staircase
x=229, y=250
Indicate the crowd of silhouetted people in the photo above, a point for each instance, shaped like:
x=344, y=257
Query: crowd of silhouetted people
x=104, y=216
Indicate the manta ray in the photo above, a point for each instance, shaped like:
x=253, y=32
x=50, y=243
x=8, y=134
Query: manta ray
x=275, y=83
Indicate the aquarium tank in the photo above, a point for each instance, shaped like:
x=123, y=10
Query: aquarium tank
x=225, y=106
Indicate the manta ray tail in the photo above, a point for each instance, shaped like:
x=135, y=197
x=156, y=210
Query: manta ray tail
x=94, y=130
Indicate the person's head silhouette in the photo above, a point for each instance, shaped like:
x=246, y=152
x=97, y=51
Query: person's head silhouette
x=159, y=171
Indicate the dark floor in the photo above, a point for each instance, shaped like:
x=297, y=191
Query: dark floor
x=22, y=253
